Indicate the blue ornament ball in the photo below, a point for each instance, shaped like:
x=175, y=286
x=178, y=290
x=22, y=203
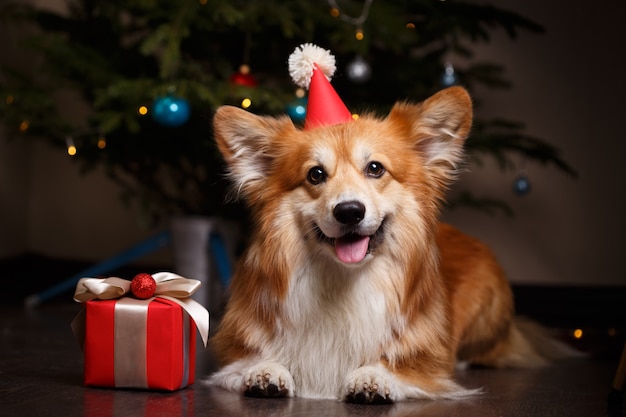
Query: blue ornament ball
x=449, y=77
x=297, y=109
x=170, y=111
x=521, y=185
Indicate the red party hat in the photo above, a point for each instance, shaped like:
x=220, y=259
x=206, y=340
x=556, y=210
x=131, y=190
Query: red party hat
x=312, y=67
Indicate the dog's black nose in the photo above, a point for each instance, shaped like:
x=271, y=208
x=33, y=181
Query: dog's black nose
x=350, y=212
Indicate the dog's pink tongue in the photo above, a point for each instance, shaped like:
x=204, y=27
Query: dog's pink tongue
x=351, y=249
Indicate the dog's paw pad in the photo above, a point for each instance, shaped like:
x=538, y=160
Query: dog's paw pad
x=368, y=395
x=270, y=391
x=368, y=385
x=268, y=380
x=363, y=398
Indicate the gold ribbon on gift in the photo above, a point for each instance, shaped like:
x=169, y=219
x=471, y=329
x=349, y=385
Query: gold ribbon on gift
x=168, y=286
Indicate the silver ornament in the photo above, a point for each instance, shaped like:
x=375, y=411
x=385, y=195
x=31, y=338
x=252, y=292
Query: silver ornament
x=358, y=70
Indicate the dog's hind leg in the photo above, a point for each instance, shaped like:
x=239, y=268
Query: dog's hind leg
x=527, y=344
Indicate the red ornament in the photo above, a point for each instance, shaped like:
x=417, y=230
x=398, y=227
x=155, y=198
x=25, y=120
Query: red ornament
x=243, y=77
x=143, y=286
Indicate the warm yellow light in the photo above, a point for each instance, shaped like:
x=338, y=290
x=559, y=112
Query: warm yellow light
x=24, y=125
x=300, y=92
x=71, y=150
x=203, y=2
x=410, y=26
x=359, y=35
x=102, y=143
x=578, y=333
x=10, y=99
x=244, y=69
x=334, y=12
x=355, y=116
x=142, y=110
x=246, y=102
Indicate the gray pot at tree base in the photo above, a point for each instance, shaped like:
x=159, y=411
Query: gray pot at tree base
x=194, y=257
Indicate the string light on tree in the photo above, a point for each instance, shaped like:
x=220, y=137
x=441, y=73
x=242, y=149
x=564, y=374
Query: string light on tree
x=357, y=22
x=246, y=102
x=71, y=148
x=24, y=125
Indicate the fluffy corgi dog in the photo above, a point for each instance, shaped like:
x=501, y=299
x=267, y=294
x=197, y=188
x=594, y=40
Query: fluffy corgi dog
x=351, y=288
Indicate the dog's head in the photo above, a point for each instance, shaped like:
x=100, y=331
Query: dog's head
x=350, y=189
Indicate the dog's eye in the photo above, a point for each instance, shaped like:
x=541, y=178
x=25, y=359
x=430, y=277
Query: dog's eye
x=316, y=175
x=375, y=169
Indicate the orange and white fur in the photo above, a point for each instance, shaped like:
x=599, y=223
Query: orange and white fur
x=351, y=288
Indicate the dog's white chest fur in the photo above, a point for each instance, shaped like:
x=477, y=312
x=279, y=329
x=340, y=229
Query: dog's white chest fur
x=335, y=322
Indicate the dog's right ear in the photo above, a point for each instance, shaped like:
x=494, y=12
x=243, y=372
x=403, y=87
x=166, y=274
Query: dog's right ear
x=246, y=142
x=438, y=128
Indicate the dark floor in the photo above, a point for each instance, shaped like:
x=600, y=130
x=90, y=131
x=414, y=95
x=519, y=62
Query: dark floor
x=41, y=364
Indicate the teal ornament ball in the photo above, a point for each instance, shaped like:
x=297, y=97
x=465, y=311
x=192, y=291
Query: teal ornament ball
x=521, y=185
x=297, y=109
x=170, y=111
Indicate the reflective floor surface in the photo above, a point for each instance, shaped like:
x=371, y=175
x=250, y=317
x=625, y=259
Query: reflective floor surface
x=41, y=375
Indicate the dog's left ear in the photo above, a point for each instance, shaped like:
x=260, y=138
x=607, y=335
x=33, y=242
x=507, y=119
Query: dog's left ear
x=438, y=128
x=247, y=143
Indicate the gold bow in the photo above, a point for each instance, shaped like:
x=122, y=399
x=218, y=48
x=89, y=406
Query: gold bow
x=169, y=286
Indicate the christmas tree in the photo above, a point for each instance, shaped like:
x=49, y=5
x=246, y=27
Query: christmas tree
x=151, y=73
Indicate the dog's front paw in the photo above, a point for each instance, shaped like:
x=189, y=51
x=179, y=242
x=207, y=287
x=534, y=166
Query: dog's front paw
x=268, y=379
x=369, y=385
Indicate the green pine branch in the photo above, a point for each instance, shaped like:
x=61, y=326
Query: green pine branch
x=501, y=138
x=120, y=55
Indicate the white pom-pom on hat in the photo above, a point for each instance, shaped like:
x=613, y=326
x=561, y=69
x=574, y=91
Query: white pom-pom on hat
x=304, y=60
x=311, y=67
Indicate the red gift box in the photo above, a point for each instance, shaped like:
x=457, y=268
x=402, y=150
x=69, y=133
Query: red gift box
x=137, y=343
x=133, y=343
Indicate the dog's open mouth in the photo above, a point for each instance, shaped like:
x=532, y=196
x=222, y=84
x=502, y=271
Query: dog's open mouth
x=352, y=247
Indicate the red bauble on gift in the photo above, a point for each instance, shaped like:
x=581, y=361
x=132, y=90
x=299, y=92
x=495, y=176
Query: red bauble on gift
x=143, y=286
